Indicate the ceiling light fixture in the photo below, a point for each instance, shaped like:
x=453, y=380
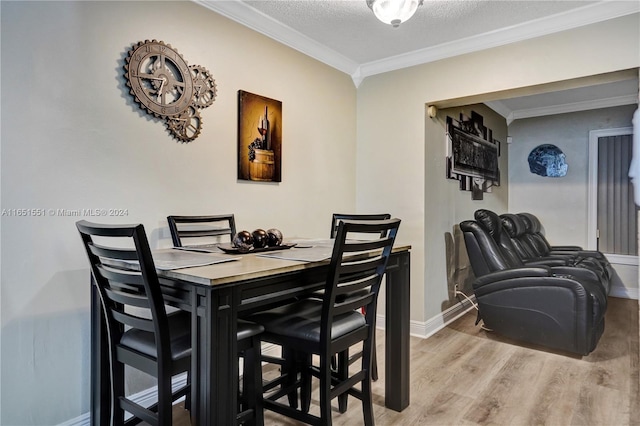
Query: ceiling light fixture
x=394, y=12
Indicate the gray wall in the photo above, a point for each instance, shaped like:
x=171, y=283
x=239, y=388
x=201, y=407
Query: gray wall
x=560, y=203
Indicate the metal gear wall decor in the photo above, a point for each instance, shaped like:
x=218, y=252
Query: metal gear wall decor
x=165, y=86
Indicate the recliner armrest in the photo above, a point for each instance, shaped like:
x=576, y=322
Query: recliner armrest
x=502, y=280
x=506, y=274
x=566, y=248
x=580, y=273
x=582, y=254
x=547, y=261
x=592, y=253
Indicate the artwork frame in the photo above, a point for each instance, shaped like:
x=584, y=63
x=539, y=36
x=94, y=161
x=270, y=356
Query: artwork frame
x=259, y=138
x=472, y=154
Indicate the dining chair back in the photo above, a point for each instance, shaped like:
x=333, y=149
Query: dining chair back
x=335, y=220
x=337, y=217
x=200, y=227
x=140, y=332
x=334, y=324
x=142, y=335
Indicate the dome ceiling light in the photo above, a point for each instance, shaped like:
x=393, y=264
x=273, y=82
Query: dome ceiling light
x=394, y=12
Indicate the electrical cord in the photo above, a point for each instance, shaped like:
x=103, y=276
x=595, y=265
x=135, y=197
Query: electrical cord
x=474, y=304
x=458, y=293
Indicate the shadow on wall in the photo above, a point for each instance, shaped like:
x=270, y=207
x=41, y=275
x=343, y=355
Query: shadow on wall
x=459, y=270
x=46, y=354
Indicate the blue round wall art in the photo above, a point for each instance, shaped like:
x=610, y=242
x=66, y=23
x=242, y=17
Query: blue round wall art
x=548, y=160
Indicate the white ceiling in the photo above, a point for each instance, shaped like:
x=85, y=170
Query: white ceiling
x=346, y=35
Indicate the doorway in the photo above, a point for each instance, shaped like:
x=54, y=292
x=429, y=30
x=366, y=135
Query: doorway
x=612, y=216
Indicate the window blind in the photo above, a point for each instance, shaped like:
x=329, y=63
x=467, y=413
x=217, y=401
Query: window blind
x=617, y=219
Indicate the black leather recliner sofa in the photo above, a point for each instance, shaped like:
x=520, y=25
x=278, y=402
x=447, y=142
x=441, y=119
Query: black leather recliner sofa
x=540, y=246
x=558, y=307
x=524, y=244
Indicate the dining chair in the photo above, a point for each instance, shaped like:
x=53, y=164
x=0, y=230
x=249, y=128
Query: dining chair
x=331, y=325
x=192, y=227
x=142, y=335
x=335, y=220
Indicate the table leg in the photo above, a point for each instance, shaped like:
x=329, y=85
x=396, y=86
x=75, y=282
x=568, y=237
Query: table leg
x=215, y=365
x=397, y=334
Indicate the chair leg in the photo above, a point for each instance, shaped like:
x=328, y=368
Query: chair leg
x=325, y=391
x=252, y=383
x=165, y=400
x=187, y=397
x=367, y=401
x=257, y=382
x=117, y=383
x=305, y=379
x=247, y=395
x=290, y=369
x=374, y=359
x=343, y=374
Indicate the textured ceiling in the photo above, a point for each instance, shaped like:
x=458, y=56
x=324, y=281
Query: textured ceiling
x=346, y=35
x=350, y=28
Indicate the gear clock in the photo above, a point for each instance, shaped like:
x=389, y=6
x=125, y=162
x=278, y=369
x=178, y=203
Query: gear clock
x=165, y=86
x=204, y=86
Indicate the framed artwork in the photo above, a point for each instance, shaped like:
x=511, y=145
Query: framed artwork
x=472, y=155
x=259, y=138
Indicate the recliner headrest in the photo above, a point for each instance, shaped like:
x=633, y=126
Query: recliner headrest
x=490, y=221
x=531, y=222
x=513, y=224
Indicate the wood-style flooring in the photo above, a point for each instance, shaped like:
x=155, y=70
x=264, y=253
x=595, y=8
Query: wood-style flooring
x=464, y=375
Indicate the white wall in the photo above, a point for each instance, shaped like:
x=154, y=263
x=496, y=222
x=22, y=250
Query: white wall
x=391, y=132
x=72, y=138
x=561, y=204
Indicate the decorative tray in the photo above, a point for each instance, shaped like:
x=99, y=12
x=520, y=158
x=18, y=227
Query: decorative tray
x=228, y=248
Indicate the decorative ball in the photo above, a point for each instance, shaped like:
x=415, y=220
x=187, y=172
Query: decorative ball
x=259, y=238
x=243, y=241
x=274, y=237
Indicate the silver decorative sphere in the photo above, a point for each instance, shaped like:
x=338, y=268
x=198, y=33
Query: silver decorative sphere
x=274, y=237
x=243, y=241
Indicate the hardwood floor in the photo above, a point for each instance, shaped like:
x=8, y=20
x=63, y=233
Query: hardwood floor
x=464, y=375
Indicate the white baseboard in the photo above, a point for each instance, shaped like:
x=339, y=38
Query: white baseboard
x=145, y=398
x=624, y=292
x=431, y=326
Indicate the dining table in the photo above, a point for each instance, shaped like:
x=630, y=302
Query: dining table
x=237, y=284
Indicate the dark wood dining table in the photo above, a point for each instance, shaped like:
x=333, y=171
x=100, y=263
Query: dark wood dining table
x=217, y=294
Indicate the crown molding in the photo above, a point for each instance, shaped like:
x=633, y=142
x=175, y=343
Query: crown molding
x=591, y=14
x=512, y=115
x=245, y=15
x=499, y=107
